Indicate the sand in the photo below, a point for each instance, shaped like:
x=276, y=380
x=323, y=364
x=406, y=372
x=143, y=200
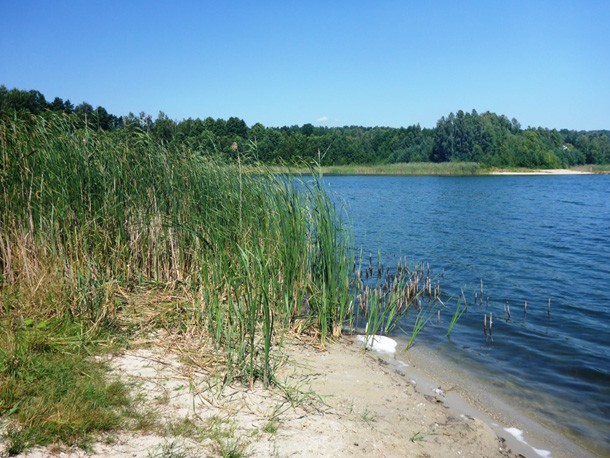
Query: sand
x=337, y=402
x=544, y=172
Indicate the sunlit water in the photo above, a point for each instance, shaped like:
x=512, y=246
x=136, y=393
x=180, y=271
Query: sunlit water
x=529, y=238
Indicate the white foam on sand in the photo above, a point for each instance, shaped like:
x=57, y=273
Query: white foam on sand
x=380, y=344
x=518, y=434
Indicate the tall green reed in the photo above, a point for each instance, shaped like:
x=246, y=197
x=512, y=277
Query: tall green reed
x=85, y=214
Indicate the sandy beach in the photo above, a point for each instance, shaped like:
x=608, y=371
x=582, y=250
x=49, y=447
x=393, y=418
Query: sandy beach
x=335, y=402
x=543, y=172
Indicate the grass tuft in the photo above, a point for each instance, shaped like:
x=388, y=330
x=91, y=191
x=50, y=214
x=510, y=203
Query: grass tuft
x=52, y=390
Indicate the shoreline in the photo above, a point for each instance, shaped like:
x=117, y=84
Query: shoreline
x=431, y=169
x=338, y=401
x=523, y=433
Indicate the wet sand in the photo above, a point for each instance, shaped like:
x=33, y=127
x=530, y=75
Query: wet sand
x=464, y=392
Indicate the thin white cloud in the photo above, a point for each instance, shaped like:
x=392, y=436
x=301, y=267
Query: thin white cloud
x=323, y=118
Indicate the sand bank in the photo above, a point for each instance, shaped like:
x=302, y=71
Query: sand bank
x=543, y=172
x=338, y=402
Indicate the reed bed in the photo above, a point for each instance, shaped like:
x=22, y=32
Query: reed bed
x=386, y=296
x=86, y=217
x=401, y=168
x=594, y=168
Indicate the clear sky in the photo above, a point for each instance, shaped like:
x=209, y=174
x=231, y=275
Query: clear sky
x=344, y=62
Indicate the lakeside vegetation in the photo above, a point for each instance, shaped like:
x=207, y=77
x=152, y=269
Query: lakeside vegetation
x=488, y=139
x=593, y=168
x=404, y=168
x=91, y=220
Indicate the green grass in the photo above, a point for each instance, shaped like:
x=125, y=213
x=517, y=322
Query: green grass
x=457, y=314
x=171, y=449
x=367, y=417
x=52, y=391
x=271, y=427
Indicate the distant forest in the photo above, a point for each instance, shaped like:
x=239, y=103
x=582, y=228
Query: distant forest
x=486, y=138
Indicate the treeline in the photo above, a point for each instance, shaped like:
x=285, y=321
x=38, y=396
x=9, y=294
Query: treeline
x=487, y=138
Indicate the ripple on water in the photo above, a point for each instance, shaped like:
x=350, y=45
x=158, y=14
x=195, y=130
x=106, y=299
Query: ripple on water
x=529, y=239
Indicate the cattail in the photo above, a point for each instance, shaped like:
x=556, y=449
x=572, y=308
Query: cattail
x=548, y=309
x=524, y=310
x=485, y=324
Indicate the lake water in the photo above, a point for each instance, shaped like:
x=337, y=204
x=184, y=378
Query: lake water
x=528, y=238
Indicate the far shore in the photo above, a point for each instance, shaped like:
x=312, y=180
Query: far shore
x=434, y=169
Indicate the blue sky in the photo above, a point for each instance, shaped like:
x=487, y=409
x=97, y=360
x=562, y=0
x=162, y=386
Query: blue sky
x=370, y=63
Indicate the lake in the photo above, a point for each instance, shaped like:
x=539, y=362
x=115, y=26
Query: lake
x=527, y=238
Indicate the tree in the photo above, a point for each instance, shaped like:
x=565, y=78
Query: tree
x=236, y=127
x=18, y=101
x=307, y=129
x=84, y=112
x=101, y=119
x=164, y=128
x=57, y=105
x=68, y=107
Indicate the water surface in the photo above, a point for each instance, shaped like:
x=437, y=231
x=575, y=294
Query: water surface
x=529, y=238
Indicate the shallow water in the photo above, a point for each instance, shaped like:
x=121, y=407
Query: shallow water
x=528, y=238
